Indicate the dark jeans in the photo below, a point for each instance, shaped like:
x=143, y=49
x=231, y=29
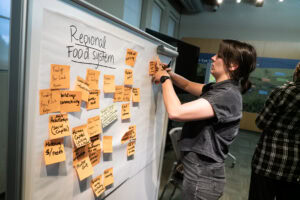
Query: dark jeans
x=204, y=179
x=264, y=188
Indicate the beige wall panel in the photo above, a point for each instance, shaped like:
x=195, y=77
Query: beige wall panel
x=248, y=122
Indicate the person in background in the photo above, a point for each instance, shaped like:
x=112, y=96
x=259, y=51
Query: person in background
x=276, y=160
x=211, y=121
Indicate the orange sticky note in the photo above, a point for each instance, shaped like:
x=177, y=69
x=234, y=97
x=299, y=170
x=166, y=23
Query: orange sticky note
x=130, y=57
x=92, y=78
x=94, y=126
x=80, y=136
x=97, y=185
x=118, y=96
x=95, y=144
x=84, y=168
x=108, y=177
x=107, y=144
x=49, y=101
x=70, y=101
x=128, y=77
x=126, y=136
x=93, y=100
x=82, y=86
x=54, y=151
x=109, y=83
x=125, y=111
x=60, y=76
x=58, y=126
x=133, y=133
x=95, y=157
x=80, y=153
x=152, y=67
x=126, y=93
x=135, y=95
x=130, y=148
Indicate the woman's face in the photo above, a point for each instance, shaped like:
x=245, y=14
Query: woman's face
x=218, y=67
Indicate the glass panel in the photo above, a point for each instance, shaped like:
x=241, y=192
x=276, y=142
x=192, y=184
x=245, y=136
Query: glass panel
x=132, y=12
x=171, y=27
x=4, y=43
x=5, y=8
x=156, y=16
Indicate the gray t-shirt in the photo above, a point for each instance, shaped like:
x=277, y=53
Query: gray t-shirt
x=212, y=137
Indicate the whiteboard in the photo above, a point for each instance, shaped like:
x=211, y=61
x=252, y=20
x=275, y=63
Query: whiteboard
x=54, y=29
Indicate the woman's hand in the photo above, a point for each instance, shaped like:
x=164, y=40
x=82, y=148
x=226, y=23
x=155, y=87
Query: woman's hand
x=156, y=77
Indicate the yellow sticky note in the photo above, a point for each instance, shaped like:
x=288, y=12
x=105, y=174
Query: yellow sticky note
x=94, y=126
x=95, y=157
x=84, y=168
x=70, y=101
x=82, y=86
x=130, y=57
x=136, y=95
x=133, y=133
x=60, y=76
x=107, y=144
x=128, y=77
x=93, y=100
x=152, y=67
x=80, y=136
x=130, y=148
x=125, y=111
x=118, y=96
x=126, y=93
x=108, y=177
x=126, y=136
x=80, y=153
x=49, y=101
x=109, y=83
x=58, y=126
x=97, y=185
x=95, y=144
x=92, y=78
x=54, y=151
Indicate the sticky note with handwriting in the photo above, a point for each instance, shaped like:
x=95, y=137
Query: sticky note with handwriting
x=131, y=148
x=108, y=115
x=49, y=101
x=58, y=126
x=133, y=133
x=108, y=177
x=97, y=185
x=130, y=57
x=136, y=95
x=127, y=94
x=126, y=137
x=93, y=100
x=82, y=86
x=125, y=111
x=94, y=126
x=118, y=96
x=152, y=67
x=109, y=83
x=80, y=153
x=95, y=157
x=84, y=168
x=54, y=151
x=95, y=144
x=70, y=101
x=107, y=144
x=92, y=78
x=60, y=76
x=80, y=136
x=128, y=77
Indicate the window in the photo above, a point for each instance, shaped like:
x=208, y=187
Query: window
x=132, y=12
x=171, y=27
x=4, y=33
x=156, y=17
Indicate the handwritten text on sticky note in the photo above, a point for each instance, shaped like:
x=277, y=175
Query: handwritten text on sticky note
x=84, y=168
x=60, y=76
x=92, y=78
x=94, y=126
x=108, y=177
x=128, y=77
x=136, y=95
x=54, y=151
x=70, y=101
x=108, y=115
x=97, y=185
x=80, y=136
x=125, y=111
x=109, y=83
x=130, y=57
x=93, y=100
x=49, y=101
x=58, y=126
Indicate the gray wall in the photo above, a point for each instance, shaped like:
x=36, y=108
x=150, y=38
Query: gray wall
x=273, y=22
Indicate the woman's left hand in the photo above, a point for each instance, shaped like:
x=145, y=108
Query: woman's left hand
x=156, y=77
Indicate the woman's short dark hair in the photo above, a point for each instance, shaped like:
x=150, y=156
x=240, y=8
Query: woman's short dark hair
x=241, y=54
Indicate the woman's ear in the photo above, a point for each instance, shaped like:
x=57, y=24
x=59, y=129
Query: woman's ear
x=233, y=67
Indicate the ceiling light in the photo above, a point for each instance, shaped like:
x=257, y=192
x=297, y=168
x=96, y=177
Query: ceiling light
x=219, y=1
x=259, y=3
x=238, y=1
x=280, y=0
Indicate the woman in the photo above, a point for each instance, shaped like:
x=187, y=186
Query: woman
x=212, y=121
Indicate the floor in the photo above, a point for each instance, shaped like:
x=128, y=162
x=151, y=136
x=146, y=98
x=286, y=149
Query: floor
x=237, y=178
